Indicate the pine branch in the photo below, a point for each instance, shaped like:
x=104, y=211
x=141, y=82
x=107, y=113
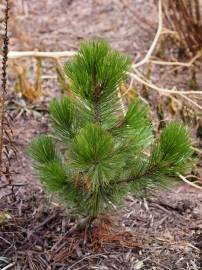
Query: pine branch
x=171, y=154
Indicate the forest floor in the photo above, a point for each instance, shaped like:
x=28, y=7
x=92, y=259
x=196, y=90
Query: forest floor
x=159, y=233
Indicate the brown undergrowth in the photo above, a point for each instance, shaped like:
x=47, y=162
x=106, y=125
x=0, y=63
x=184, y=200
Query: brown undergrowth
x=37, y=235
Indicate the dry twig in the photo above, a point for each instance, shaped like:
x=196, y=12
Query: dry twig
x=3, y=120
x=185, y=17
x=155, y=41
x=188, y=182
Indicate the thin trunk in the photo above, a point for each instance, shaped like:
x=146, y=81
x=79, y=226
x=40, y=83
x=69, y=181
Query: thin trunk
x=3, y=85
x=97, y=105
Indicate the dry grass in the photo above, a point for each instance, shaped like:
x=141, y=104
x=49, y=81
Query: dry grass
x=185, y=17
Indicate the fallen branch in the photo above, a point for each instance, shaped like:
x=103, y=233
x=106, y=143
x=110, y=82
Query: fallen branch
x=39, y=54
x=15, y=54
x=176, y=63
x=163, y=90
x=157, y=36
x=167, y=92
x=188, y=182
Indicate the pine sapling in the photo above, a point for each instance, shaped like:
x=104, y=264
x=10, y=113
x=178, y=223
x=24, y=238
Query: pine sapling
x=97, y=155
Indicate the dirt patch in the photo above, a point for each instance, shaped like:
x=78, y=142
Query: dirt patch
x=162, y=232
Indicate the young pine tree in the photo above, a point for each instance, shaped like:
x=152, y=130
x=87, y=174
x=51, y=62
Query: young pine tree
x=105, y=154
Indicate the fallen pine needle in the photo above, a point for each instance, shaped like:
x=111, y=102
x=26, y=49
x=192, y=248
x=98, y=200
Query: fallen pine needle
x=9, y=266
